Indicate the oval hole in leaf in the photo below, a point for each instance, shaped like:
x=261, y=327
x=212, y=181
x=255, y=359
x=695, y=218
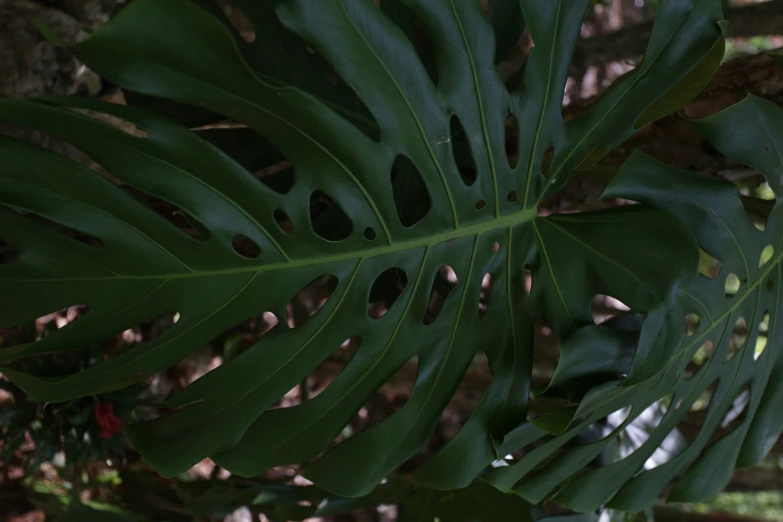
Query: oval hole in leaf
x=766, y=255
x=614, y=420
x=700, y=357
x=631, y=437
x=528, y=275
x=415, y=32
x=641, y=428
x=739, y=335
x=282, y=220
x=512, y=196
x=691, y=324
x=385, y=291
x=732, y=285
x=764, y=192
x=757, y=211
x=736, y=414
x=161, y=325
x=279, y=177
x=189, y=225
x=246, y=247
x=760, y=222
x=126, y=126
x=546, y=160
x=546, y=357
x=61, y=229
x=709, y=266
x=179, y=218
x=758, y=199
x=466, y=397
x=442, y=285
x=51, y=322
x=463, y=154
x=328, y=370
x=398, y=388
x=263, y=323
x=485, y=295
x=495, y=247
x=310, y=299
x=481, y=204
x=604, y=307
x=761, y=339
x=703, y=401
x=238, y=20
x=369, y=233
x=294, y=396
x=319, y=73
x=512, y=139
x=410, y=193
x=646, y=424
x=328, y=218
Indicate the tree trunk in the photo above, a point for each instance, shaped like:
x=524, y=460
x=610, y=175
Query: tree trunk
x=675, y=140
x=31, y=65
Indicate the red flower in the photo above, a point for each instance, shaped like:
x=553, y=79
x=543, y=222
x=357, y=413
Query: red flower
x=107, y=420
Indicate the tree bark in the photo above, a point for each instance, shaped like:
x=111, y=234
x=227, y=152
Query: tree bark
x=630, y=42
x=674, y=139
x=33, y=66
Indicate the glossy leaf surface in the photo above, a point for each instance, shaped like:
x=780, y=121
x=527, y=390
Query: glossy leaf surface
x=375, y=186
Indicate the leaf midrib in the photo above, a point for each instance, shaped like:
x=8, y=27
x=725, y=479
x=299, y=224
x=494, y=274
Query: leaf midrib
x=510, y=220
x=600, y=255
x=548, y=263
x=110, y=216
x=550, y=177
x=358, y=381
x=424, y=137
x=512, y=317
x=480, y=103
x=443, y=362
x=773, y=264
x=297, y=129
x=544, y=104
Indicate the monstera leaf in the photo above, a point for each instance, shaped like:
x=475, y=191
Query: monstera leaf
x=407, y=254
x=714, y=349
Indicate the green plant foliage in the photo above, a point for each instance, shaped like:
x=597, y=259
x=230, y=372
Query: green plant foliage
x=70, y=427
x=375, y=203
x=145, y=498
x=724, y=357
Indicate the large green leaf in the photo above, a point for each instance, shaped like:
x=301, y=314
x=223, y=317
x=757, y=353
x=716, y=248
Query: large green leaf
x=725, y=357
x=175, y=50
